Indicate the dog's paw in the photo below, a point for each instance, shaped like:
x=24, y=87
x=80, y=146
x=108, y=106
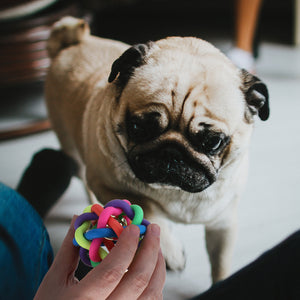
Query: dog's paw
x=176, y=262
x=173, y=253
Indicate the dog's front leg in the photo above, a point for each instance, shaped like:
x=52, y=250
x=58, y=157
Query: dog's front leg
x=219, y=244
x=220, y=238
x=171, y=247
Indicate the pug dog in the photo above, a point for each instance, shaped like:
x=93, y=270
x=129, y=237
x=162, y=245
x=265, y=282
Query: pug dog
x=165, y=124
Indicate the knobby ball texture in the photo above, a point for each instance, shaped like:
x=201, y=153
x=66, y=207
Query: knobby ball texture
x=98, y=228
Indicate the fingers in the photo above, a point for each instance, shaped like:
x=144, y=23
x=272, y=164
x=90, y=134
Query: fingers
x=67, y=258
x=140, y=272
x=144, y=280
x=103, y=279
x=155, y=287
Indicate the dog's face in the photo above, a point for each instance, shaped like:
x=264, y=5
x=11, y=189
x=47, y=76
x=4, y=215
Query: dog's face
x=183, y=111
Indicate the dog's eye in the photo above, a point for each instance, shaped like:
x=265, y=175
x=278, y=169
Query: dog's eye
x=209, y=142
x=144, y=128
x=212, y=144
x=136, y=128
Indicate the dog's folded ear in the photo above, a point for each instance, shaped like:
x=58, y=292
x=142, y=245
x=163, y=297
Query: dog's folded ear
x=256, y=95
x=128, y=62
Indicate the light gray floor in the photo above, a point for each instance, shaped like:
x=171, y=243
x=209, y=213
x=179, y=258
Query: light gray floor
x=270, y=208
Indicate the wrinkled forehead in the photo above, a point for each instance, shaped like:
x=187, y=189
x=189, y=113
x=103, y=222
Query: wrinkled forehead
x=207, y=87
x=216, y=94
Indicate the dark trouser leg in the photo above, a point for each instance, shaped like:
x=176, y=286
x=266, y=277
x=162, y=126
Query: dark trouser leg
x=274, y=275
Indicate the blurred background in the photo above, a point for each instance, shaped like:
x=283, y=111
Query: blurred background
x=25, y=27
x=270, y=208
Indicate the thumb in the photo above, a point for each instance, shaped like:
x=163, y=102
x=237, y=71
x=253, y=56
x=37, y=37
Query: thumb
x=67, y=258
x=61, y=273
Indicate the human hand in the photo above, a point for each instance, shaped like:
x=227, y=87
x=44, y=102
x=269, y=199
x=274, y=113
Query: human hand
x=109, y=280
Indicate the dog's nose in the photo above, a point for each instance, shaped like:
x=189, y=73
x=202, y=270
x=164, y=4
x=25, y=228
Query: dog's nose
x=172, y=154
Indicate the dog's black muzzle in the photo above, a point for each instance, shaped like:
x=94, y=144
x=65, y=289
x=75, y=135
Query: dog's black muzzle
x=170, y=164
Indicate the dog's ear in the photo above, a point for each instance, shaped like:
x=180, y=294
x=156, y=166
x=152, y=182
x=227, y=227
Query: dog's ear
x=126, y=64
x=256, y=95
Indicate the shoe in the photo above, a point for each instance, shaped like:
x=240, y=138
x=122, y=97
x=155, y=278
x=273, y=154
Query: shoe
x=242, y=59
x=46, y=179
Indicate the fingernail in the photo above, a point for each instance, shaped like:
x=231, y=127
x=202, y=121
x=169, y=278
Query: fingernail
x=134, y=229
x=154, y=229
x=74, y=218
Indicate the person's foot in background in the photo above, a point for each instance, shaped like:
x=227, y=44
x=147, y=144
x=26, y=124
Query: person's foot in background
x=246, y=19
x=242, y=59
x=46, y=179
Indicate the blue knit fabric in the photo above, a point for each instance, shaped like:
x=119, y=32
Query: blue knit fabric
x=25, y=250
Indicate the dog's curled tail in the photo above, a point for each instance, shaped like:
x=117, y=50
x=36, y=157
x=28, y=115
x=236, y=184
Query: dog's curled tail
x=66, y=32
